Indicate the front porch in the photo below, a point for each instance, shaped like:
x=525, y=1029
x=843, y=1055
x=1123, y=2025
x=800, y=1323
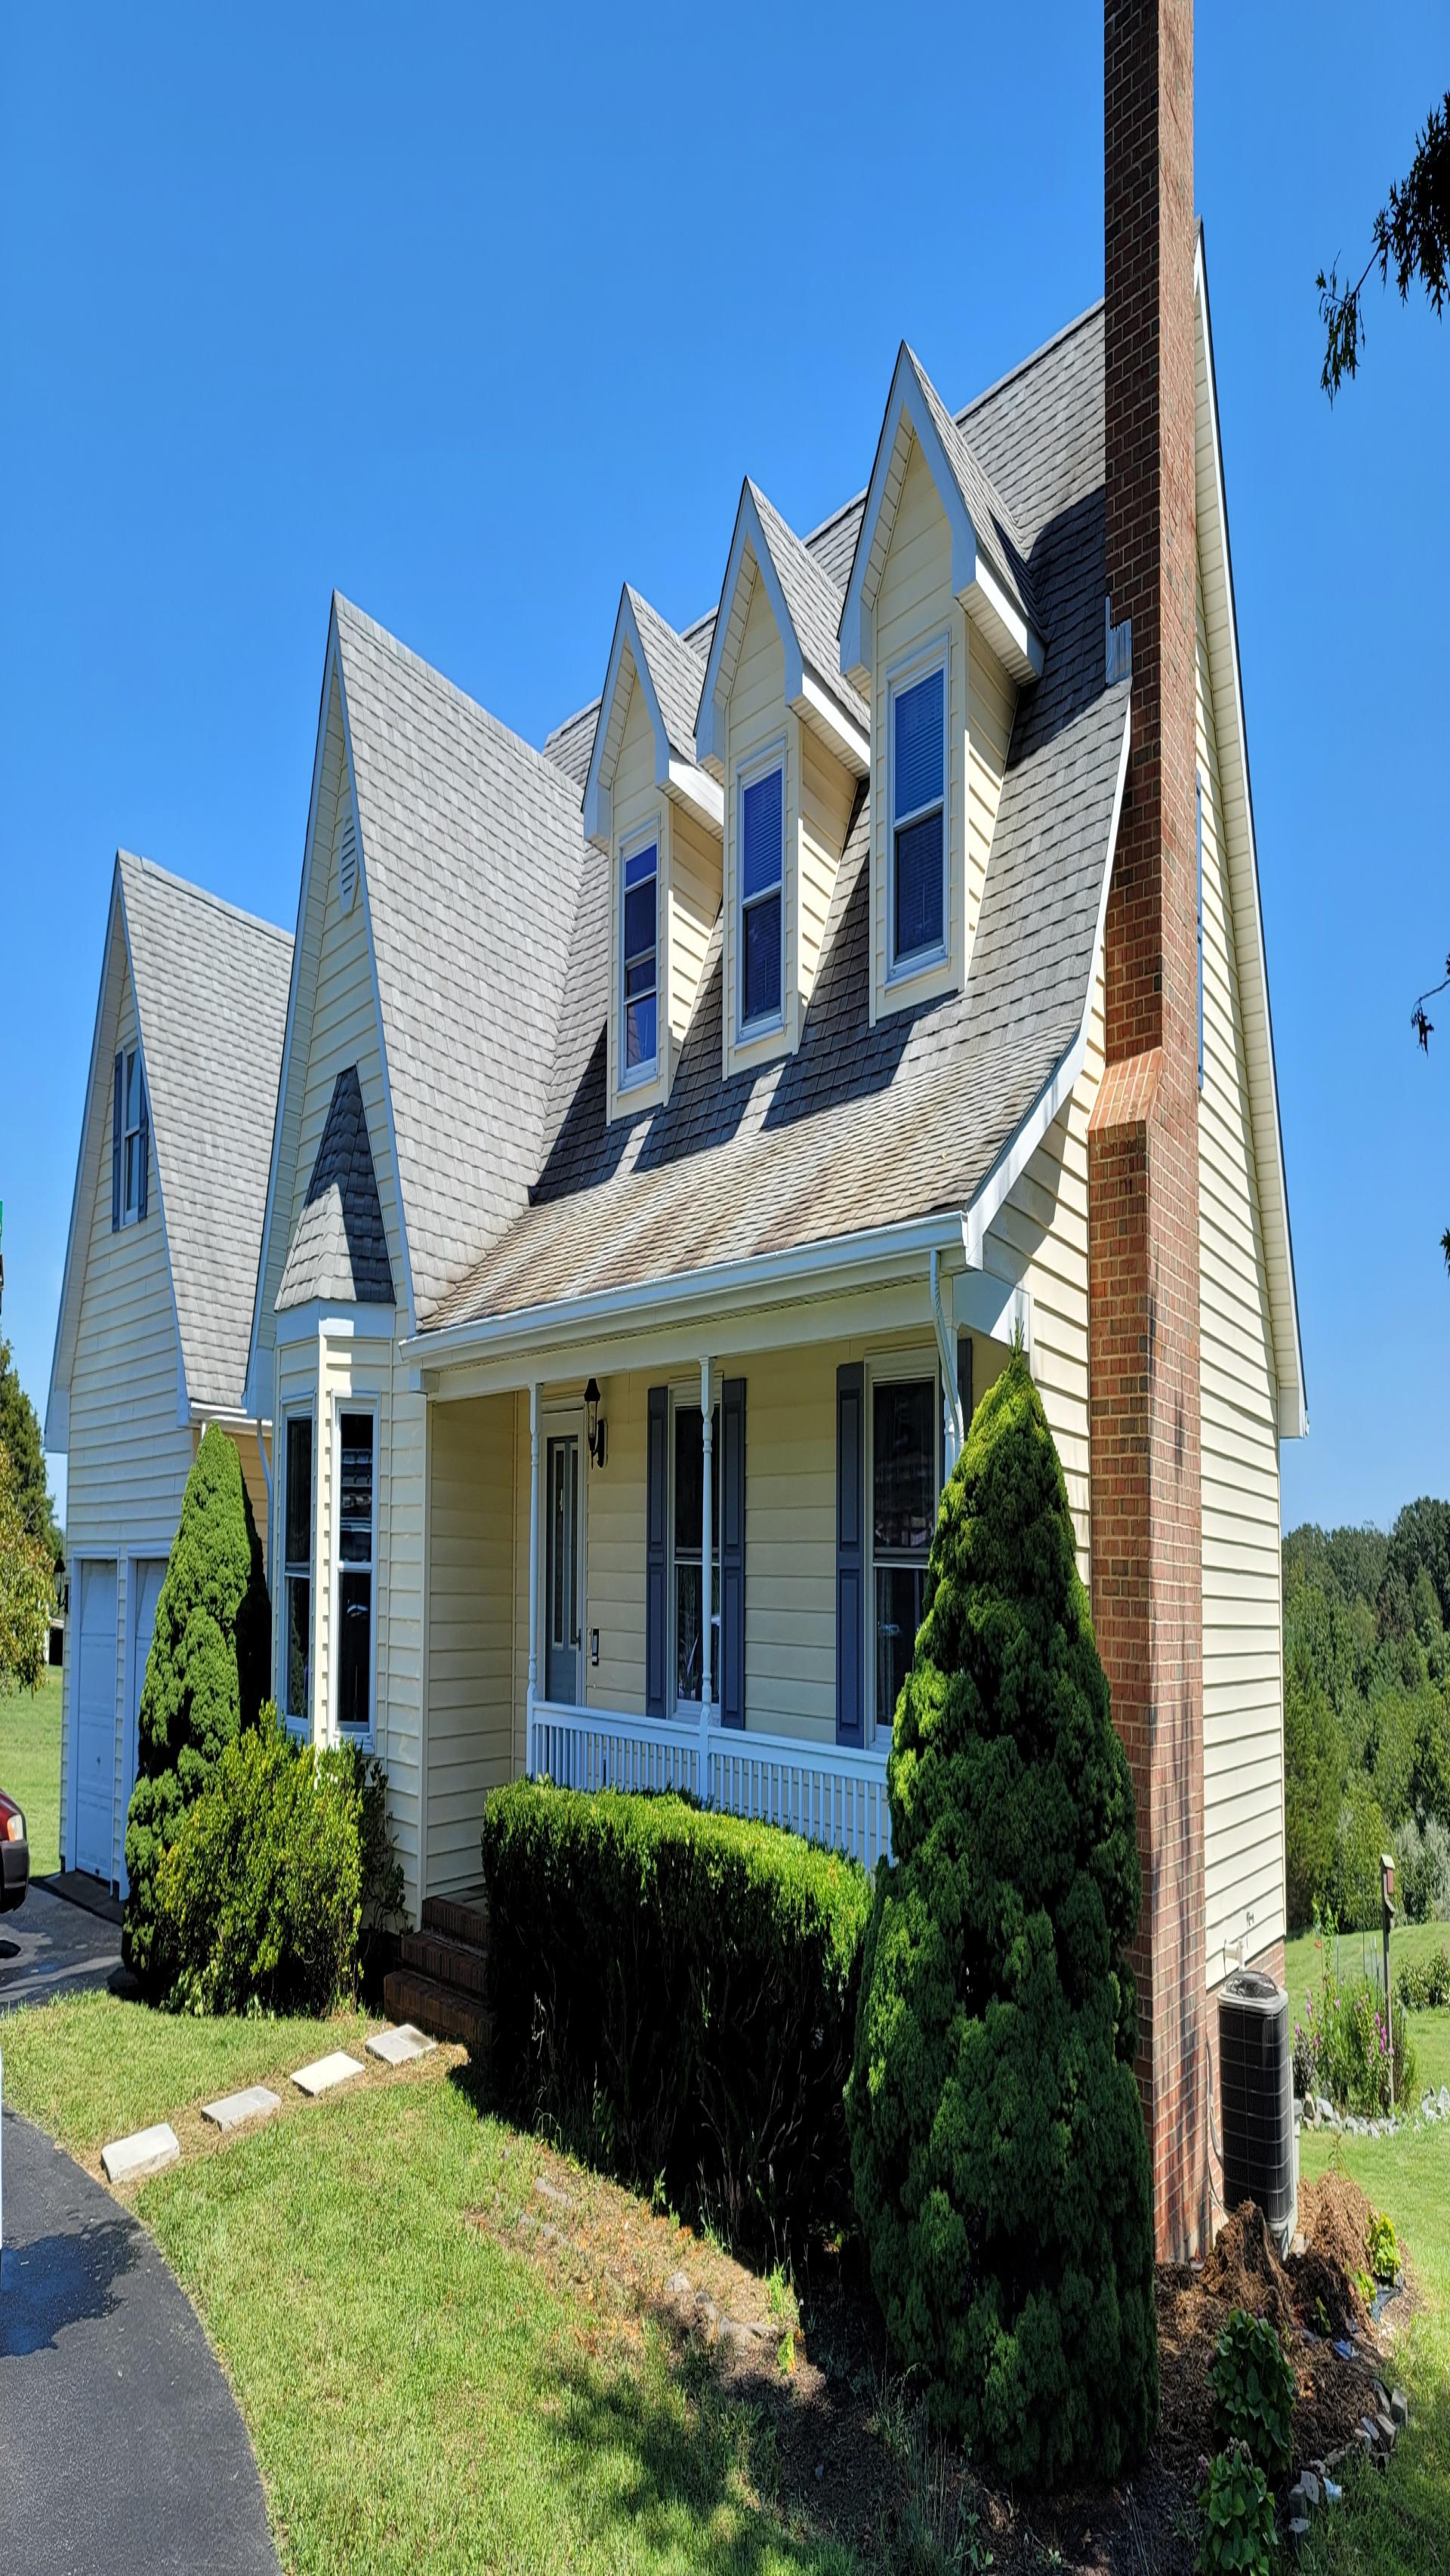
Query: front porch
x=581, y=1629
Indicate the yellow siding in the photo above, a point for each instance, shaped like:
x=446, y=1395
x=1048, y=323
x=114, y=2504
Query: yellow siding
x=1242, y=1637
x=828, y=793
x=1040, y=1240
x=687, y=901
x=470, y=1628
x=991, y=708
x=759, y=722
x=914, y=606
x=694, y=882
x=614, y=1552
x=790, y=1541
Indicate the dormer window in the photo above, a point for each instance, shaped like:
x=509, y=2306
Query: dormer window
x=639, y=948
x=762, y=876
x=918, y=820
x=130, y=1140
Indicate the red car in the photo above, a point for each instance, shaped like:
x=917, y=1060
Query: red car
x=14, y=1856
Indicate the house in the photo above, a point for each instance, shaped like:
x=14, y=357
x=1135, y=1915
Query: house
x=155, y=1307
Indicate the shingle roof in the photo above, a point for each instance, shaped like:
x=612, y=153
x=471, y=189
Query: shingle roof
x=996, y=528
x=861, y=1125
x=211, y=997
x=474, y=854
x=814, y=601
x=339, y=1248
x=675, y=671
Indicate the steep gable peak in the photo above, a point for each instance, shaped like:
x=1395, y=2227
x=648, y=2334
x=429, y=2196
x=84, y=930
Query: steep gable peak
x=648, y=653
x=806, y=607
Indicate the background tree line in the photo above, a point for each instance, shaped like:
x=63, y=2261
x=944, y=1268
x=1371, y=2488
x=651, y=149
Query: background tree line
x=1367, y=1716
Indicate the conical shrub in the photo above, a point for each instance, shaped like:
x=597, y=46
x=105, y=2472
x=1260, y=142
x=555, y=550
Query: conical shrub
x=998, y=2154
x=206, y=1678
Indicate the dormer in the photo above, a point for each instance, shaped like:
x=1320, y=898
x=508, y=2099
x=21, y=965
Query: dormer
x=786, y=735
x=656, y=814
x=939, y=630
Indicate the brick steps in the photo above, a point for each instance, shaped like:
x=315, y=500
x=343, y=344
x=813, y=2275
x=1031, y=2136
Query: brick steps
x=447, y=1962
x=463, y=1917
x=442, y=2011
x=442, y=1981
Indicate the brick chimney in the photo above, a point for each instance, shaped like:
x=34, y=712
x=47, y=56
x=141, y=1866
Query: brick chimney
x=1143, y=1139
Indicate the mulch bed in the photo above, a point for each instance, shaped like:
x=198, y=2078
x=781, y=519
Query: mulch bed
x=847, y=2454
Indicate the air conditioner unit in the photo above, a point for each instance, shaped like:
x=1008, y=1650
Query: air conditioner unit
x=1256, y=2092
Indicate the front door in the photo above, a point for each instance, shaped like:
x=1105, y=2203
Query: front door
x=93, y=1700
x=561, y=1569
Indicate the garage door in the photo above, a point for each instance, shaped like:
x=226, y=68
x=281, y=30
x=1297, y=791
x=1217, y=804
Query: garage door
x=95, y=1719
x=147, y=1576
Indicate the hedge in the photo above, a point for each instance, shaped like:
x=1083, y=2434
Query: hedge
x=674, y=1993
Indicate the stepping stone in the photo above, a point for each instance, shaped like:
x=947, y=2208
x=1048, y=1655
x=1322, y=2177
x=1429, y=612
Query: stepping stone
x=125, y=2159
x=255, y=2103
x=324, y=2072
x=396, y=2047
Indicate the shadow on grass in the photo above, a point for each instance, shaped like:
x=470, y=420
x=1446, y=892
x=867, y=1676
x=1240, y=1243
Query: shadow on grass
x=1395, y=2521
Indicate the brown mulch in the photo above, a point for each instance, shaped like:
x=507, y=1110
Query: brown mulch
x=840, y=2450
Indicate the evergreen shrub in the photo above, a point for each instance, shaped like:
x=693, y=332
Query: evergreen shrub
x=1425, y=1982
x=674, y=1993
x=206, y=1678
x=259, y=1898
x=1001, y=2169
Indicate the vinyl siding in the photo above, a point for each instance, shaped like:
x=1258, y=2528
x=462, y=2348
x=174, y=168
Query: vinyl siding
x=471, y=1621
x=915, y=606
x=827, y=799
x=687, y=901
x=1242, y=1633
x=1039, y=1240
x=758, y=724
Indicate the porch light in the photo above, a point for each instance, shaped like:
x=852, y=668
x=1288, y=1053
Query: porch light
x=596, y=1427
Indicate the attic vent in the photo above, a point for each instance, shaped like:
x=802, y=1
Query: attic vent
x=347, y=864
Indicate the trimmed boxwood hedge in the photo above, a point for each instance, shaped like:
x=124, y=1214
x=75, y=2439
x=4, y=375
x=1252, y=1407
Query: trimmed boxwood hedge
x=674, y=1993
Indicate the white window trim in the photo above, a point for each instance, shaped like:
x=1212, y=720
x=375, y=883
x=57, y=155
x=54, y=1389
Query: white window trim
x=558, y=1419
x=686, y=1393
x=759, y=765
x=635, y=1077
x=341, y=1404
x=298, y=1722
x=918, y=664
x=131, y=1207
x=887, y=1369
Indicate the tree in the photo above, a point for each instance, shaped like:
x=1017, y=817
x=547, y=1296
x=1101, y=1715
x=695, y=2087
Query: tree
x=1314, y=1782
x=998, y=2153
x=27, y=1587
x=1411, y=234
x=1363, y=1837
x=206, y=1679
x=1430, y=1776
x=20, y=1432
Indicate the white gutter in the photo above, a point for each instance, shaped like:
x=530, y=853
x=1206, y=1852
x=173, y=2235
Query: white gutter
x=771, y=1279
x=956, y=1430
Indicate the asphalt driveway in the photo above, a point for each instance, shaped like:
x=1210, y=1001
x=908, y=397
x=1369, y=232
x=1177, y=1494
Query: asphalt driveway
x=50, y=1947
x=120, y=2442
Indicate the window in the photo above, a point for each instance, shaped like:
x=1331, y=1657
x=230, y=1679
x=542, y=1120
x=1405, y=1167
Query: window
x=918, y=830
x=689, y=1577
x=133, y=1139
x=297, y=1569
x=640, y=949
x=904, y=1415
x=762, y=867
x=356, y=1490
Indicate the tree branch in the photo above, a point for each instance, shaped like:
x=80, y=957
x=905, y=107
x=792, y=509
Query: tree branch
x=1410, y=233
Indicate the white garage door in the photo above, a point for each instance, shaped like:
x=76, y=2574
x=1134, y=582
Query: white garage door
x=147, y=1576
x=95, y=1719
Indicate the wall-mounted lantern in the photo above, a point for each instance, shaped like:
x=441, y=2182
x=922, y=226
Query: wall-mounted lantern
x=595, y=1424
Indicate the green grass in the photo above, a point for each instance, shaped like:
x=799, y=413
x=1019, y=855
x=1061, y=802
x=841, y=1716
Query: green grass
x=1359, y=1954
x=417, y=2394
x=30, y=1765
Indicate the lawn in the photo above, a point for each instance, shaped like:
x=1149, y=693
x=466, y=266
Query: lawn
x=418, y=2394
x=30, y=1765
x=1358, y=1954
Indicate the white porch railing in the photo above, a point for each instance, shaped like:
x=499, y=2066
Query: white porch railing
x=828, y=1793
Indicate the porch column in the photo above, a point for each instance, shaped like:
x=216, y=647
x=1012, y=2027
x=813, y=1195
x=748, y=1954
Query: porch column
x=532, y=1752
x=707, y=1572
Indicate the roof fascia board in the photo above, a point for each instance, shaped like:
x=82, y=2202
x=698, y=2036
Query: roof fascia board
x=1017, y=1153
x=57, y=1402
x=1292, y=1407
x=880, y=1253
x=340, y=1318
x=365, y=893
x=258, y=1372
x=975, y=584
x=684, y=780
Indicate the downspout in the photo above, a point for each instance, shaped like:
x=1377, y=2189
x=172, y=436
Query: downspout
x=266, y=1473
x=954, y=1428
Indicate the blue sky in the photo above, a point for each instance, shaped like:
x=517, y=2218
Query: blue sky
x=474, y=315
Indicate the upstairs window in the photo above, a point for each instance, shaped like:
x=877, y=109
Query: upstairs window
x=130, y=1140
x=762, y=870
x=918, y=820
x=355, y=1573
x=640, y=950
x=297, y=1570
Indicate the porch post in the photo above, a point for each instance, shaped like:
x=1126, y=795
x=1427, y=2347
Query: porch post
x=707, y=1572
x=532, y=1752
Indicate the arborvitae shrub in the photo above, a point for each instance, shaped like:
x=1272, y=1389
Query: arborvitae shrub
x=1001, y=2170
x=205, y=1679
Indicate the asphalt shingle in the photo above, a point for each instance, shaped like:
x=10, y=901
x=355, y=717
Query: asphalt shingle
x=339, y=1246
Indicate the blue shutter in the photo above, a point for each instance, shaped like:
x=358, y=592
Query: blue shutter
x=731, y=1680
x=964, y=1379
x=143, y=1142
x=118, y=1116
x=850, y=1551
x=657, y=1551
